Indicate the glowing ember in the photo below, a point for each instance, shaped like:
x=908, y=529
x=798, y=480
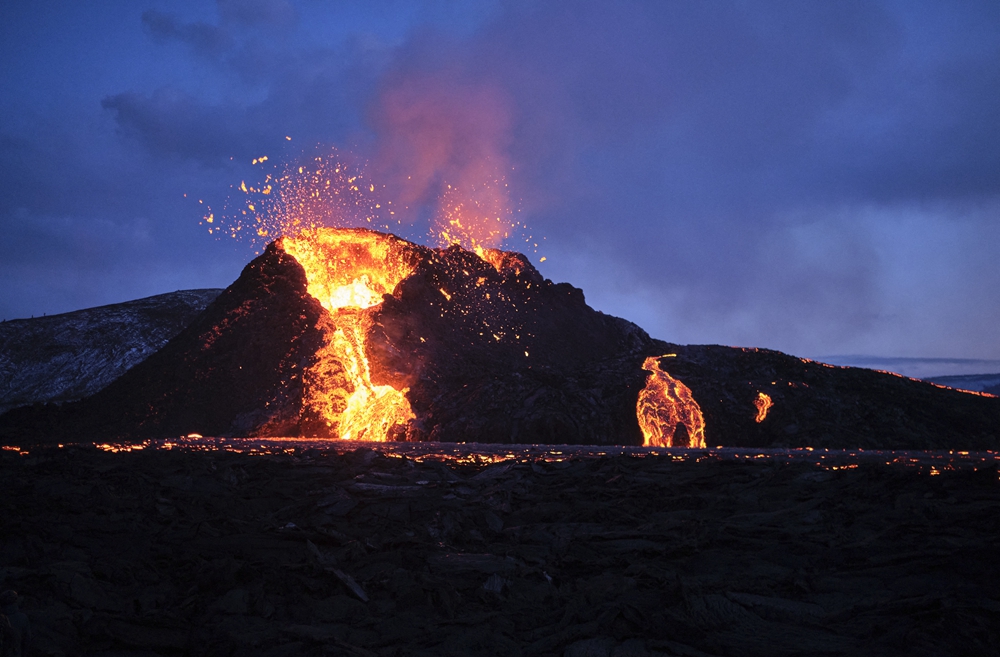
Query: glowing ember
x=312, y=192
x=763, y=404
x=349, y=271
x=664, y=405
x=333, y=189
x=478, y=218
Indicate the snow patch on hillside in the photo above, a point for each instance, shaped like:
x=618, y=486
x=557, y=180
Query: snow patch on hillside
x=69, y=356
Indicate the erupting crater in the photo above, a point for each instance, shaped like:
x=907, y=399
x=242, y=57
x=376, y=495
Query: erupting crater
x=349, y=272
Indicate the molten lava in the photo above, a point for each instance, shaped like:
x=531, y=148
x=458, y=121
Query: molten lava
x=349, y=271
x=763, y=404
x=665, y=405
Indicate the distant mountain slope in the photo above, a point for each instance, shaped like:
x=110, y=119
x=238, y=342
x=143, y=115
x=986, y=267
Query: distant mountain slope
x=927, y=369
x=980, y=382
x=72, y=355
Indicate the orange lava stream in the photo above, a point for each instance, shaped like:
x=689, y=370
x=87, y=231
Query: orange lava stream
x=763, y=404
x=664, y=405
x=348, y=271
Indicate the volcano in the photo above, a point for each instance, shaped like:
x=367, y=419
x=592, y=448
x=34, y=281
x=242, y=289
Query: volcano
x=352, y=333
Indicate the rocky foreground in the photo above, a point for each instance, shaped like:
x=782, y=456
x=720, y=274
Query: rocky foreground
x=317, y=553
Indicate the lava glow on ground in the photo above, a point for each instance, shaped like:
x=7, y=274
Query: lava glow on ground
x=931, y=462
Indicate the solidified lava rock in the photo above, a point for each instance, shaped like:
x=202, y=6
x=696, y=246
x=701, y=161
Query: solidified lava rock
x=823, y=406
x=361, y=552
x=506, y=356
x=488, y=350
x=235, y=369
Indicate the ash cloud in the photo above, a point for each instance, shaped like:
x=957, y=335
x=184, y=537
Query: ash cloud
x=443, y=140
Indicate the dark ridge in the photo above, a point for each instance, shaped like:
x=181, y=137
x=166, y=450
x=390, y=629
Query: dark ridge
x=818, y=405
x=510, y=357
x=236, y=368
x=497, y=356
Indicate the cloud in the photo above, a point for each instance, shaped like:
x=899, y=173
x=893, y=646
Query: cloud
x=235, y=17
x=174, y=123
x=249, y=86
x=251, y=13
x=711, y=156
x=204, y=38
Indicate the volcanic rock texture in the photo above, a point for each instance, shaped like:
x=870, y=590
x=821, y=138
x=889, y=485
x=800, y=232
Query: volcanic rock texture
x=820, y=405
x=319, y=553
x=485, y=350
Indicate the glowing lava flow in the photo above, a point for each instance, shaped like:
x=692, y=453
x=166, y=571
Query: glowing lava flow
x=348, y=271
x=763, y=404
x=664, y=405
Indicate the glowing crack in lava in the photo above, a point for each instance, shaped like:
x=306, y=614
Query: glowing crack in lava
x=348, y=271
x=763, y=404
x=665, y=405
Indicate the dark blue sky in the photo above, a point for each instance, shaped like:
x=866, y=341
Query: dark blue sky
x=818, y=178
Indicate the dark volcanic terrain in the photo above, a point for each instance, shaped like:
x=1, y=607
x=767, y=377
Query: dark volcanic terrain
x=314, y=552
x=295, y=548
x=489, y=353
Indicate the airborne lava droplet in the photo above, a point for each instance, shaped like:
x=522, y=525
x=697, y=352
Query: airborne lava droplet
x=664, y=405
